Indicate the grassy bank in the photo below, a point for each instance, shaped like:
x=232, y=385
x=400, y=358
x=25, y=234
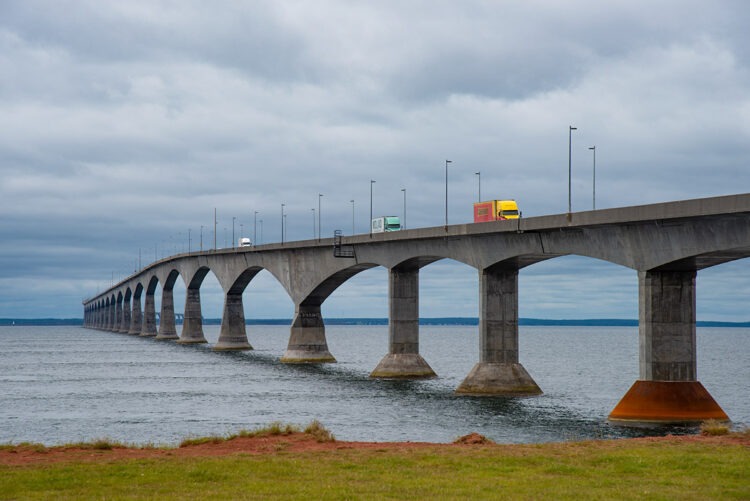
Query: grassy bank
x=623, y=469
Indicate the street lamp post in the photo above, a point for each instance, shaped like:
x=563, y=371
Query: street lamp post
x=446, y=193
x=216, y=221
x=261, y=231
x=479, y=186
x=282, y=224
x=320, y=195
x=233, y=239
x=255, y=226
x=570, y=169
x=189, y=240
x=313, y=213
x=403, y=224
x=201, y=238
x=352, y=201
x=593, y=149
x=371, y=183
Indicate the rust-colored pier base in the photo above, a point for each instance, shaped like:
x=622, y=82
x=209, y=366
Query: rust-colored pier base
x=666, y=402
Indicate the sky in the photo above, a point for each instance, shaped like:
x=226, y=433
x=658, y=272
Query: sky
x=124, y=125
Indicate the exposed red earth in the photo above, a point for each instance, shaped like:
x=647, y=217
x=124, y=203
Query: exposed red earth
x=296, y=443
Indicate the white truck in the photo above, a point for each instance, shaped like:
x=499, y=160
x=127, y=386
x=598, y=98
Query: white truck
x=245, y=242
x=385, y=223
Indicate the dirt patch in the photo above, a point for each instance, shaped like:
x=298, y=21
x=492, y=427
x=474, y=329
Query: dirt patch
x=274, y=444
x=473, y=439
x=295, y=443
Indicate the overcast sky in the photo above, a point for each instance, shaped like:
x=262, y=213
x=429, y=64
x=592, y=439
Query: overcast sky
x=124, y=124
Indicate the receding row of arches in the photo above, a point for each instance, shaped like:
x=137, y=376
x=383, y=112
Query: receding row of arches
x=122, y=312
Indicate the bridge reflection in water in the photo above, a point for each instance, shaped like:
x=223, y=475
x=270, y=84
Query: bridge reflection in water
x=666, y=244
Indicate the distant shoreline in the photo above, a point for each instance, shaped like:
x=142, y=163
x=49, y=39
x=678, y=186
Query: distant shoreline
x=585, y=322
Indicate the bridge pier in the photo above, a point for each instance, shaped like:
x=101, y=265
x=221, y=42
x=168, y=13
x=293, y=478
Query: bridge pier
x=136, y=317
x=403, y=360
x=667, y=391
x=118, y=317
x=498, y=371
x=307, y=340
x=148, y=327
x=233, y=335
x=110, y=317
x=192, y=324
x=167, y=328
x=125, y=324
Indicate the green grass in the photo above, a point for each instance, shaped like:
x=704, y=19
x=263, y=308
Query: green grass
x=714, y=427
x=585, y=470
x=276, y=428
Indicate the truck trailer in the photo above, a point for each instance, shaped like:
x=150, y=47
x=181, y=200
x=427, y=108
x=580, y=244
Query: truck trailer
x=495, y=210
x=385, y=223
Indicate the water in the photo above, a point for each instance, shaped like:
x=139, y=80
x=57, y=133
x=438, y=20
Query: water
x=68, y=384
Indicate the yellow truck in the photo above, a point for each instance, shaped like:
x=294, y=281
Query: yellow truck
x=495, y=210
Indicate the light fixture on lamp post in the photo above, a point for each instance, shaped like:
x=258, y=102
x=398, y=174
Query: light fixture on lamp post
x=371, y=183
x=320, y=195
x=403, y=223
x=570, y=168
x=255, y=226
x=593, y=197
x=446, y=193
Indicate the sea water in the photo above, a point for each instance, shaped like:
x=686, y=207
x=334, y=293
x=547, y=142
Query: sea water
x=69, y=384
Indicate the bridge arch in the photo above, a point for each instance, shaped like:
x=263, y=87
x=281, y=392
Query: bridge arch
x=136, y=315
x=192, y=325
x=167, y=329
x=148, y=323
x=324, y=289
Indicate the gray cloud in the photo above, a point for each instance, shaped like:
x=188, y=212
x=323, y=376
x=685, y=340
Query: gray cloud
x=126, y=125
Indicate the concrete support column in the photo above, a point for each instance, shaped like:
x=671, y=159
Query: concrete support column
x=118, y=316
x=167, y=328
x=233, y=335
x=125, y=324
x=668, y=390
x=666, y=320
x=111, y=317
x=403, y=359
x=148, y=327
x=307, y=341
x=192, y=325
x=498, y=371
x=136, y=317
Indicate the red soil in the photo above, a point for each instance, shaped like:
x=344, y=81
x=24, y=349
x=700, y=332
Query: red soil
x=294, y=443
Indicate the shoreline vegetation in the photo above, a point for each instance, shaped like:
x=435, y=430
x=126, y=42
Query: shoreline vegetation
x=293, y=462
x=584, y=322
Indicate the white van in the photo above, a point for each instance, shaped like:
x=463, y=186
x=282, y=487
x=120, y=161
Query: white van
x=245, y=242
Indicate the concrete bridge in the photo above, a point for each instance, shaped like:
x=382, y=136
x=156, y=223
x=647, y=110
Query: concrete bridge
x=666, y=244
